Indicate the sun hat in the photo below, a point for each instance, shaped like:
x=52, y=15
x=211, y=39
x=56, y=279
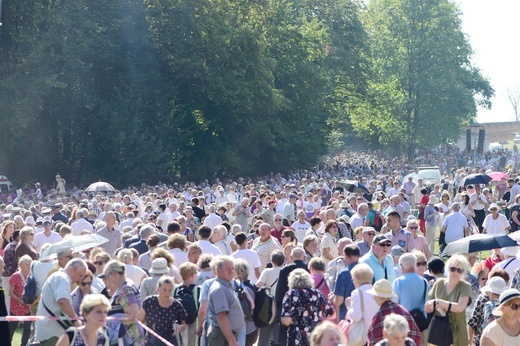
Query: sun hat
x=382, y=288
x=505, y=296
x=159, y=266
x=344, y=204
x=495, y=285
x=493, y=206
x=396, y=250
x=345, y=218
x=29, y=221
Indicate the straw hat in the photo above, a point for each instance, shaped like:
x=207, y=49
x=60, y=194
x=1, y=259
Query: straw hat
x=382, y=288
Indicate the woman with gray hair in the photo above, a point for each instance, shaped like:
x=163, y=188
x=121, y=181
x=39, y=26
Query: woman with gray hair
x=132, y=272
x=303, y=307
x=395, y=332
x=242, y=274
x=17, y=306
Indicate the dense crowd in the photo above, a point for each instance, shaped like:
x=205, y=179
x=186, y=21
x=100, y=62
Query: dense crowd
x=276, y=260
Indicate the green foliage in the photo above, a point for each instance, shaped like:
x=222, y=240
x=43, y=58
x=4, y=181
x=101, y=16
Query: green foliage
x=145, y=90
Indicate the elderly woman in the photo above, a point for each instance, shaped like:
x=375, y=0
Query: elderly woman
x=145, y=260
x=17, y=306
x=490, y=294
x=149, y=285
x=419, y=241
x=242, y=274
x=362, y=276
x=24, y=246
x=94, y=310
x=177, y=245
x=453, y=293
x=174, y=271
x=383, y=295
x=303, y=307
x=310, y=245
x=132, y=272
x=328, y=247
x=81, y=291
x=505, y=330
x=125, y=304
x=395, y=332
x=422, y=262
x=163, y=314
x=495, y=223
x=327, y=334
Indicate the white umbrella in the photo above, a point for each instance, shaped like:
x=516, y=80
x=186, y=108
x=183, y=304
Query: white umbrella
x=100, y=186
x=75, y=243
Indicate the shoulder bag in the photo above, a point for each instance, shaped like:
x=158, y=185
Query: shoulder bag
x=355, y=332
x=418, y=314
x=440, y=329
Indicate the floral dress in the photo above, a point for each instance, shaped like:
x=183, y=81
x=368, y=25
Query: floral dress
x=131, y=334
x=161, y=320
x=306, y=307
x=477, y=317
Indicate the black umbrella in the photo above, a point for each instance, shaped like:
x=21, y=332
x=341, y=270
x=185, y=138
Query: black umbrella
x=478, y=242
x=474, y=179
x=353, y=186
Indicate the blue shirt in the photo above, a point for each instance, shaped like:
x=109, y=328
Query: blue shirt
x=344, y=287
x=412, y=290
x=381, y=271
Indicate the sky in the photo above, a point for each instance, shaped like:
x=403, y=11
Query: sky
x=492, y=29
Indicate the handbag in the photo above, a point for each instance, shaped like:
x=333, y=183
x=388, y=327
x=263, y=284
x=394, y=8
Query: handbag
x=418, y=315
x=29, y=294
x=440, y=329
x=355, y=332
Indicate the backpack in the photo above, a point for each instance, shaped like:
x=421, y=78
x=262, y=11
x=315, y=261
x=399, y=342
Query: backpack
x=264, y=312
x=30, y=293
x=188, y=296
x=245, y=304
x=378, y=221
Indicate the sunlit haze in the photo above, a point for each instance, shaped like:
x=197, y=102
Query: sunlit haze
x=492, y=27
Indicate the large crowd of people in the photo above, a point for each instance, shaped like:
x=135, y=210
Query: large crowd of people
x=195, y=264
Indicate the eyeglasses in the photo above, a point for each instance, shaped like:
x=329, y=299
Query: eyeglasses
x=47, y=224
x=371, y=233
x=420, y=264
x=385, y=244
x=514, y=306
x=98, y=263
x=31, y=233
x=86, y=283
x=458, y=270
x=277, y=219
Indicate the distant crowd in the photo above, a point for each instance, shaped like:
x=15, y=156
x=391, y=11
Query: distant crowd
x=302, y=259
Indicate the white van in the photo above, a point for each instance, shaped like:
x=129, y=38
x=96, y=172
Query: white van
x=430, y=174
x=5, y=184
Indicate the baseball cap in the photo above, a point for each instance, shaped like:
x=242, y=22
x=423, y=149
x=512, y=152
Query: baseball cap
x=381, y=238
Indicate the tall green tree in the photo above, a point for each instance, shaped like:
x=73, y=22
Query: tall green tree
x=424, y=84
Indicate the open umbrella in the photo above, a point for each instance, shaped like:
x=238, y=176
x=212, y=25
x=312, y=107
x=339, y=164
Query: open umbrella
x=498, y=175
x=76, y=243
x=100, y=186
x=473, y=179
x=478, y=242
x=353, y=186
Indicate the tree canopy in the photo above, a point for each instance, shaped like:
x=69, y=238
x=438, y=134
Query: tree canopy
x=141, y=90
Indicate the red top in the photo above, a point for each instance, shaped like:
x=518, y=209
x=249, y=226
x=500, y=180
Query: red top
x=16, y=282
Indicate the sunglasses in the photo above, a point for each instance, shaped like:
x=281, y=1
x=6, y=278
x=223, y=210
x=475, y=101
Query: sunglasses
x=277, y=219
x=370, y=233
x=98, y=263
x=420, y=264
x=514, y=306
x=458, y=270
x=86, y=283
x=47, y=224
x=385, y=244
x=413, y=227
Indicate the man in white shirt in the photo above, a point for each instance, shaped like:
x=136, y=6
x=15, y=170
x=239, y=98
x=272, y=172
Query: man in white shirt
x=81, y=224
x=455, y=225
x=218, y=238
x=129, y=220
x=250, y=256
x=47, y=236
x=212, y=220
x=174, y=213
x=204, y=234
x=358, y=219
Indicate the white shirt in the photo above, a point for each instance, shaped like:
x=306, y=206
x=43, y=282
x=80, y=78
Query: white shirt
x=173, y=215
x=135, y=274
x=356, y=220
x=300, y=229
x=180, y=256
x=212, y=220
x=207, y=247
x=369, y=304
x=41, y=239
x=510, y=264
x=252, y=258
x=162, y=220
x=270, y=278
x=81, y=225
x=127, y=222
x=496, y=227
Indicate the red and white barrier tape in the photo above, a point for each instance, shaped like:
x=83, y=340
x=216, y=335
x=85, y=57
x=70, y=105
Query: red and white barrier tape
x=145, y=327
x=52, y=318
